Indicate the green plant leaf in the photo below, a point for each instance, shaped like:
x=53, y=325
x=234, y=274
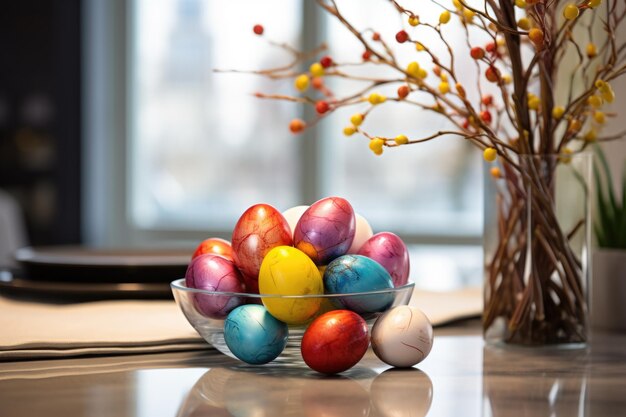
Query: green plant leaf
x=609, y=177
x=606, y=219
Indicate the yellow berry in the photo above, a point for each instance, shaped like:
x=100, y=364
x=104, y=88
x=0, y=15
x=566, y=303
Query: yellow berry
x=302, y=82
x=444, y=87
x=599, y=117
x=349, y=130
x=413, y=69
x=608, y=95
x=557, y=112
x=468, y=15
x=376, y=145
x=444, y=77
x=590, y=136
x=444, y=17
x=534, y=102
x=419, y=47
x=490, y=154
x=594, y=3
x=565, y=156
x=536, y=36
x=457, y=4
x=591, y=50
x=402, y=140
x=571, y=12
x=495, y=172
x=601, y=85
x=520, y=3
x=414, y=20
x=575, y=125
x=595, y=101
x=357, y=119
x=422, y=73
x=316, y=69
x=507, y=78
x=523, y=23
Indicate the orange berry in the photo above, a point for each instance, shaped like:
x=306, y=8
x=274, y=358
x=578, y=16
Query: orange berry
x=536, y=36
x=297, y=126
x=403, y=91
x=477, y=52
x=322, y=107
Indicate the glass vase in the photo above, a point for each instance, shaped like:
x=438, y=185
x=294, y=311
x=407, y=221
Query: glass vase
x=537, y=250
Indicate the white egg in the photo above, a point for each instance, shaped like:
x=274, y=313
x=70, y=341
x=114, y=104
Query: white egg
x=362, y=233
x=402, y=336
x=292, y=215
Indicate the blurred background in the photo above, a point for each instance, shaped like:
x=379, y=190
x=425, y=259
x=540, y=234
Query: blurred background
x=116, y=132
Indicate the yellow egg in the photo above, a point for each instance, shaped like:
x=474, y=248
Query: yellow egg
x=288, y=271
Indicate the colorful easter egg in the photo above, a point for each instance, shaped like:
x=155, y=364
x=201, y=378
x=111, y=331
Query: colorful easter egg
x=326, y=230
x=288, y=271
x=335, y=341
x=390, y=251
x=356, y=273
x=258, y=230
x=217, y=274
x=402, y=336
x=253, y=335
x=216, y=246
x=293, y=214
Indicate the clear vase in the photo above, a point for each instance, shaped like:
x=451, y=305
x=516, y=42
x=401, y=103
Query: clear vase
x=537, y=250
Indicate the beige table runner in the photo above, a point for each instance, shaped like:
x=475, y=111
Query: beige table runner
x=37, y=330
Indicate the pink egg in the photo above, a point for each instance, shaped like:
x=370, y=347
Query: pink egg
x=259, y=229
x=390, y=251
x=214, y=273
x=326, y=230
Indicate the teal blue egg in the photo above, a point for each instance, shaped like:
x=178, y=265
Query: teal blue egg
x=253, y=335
x=356, y=274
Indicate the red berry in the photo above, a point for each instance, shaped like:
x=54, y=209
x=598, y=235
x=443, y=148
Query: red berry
x=326, y=61
x=492, y=74
x=477, y=52
x=297, y=126
x=403, y=91
x=402, y=36
x=367, y=55
x=437, y=70
x=491, y=47
x=376, y=36
x=258, y=29
x=466, y=124
x=485, y=115
x=317, y=82
x=487, y=100
x=322, y=107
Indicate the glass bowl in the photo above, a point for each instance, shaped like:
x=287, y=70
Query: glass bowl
x=195, y=303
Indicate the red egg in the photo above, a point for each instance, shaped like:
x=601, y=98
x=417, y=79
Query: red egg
x=259, y=229
x=326, y=230
x=390, y=251
x=216, y=246
x=214, y=273
x=335, y=341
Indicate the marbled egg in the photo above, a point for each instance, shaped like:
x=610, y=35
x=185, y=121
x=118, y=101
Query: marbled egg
x=258, y=230
x=356, y=273
x=402, y=336
x=362, y=232
x=214, y=273
x=253, y=335
x=326, y=230
x=390, y=251
x=216, y=246
x=288, y=271
x=335, y=341
x=293, y=214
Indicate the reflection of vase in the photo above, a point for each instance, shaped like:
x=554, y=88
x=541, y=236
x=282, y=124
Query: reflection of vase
x=537, y=235
x=608, y=309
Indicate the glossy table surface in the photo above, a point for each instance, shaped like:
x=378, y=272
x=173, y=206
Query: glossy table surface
x=461, y=377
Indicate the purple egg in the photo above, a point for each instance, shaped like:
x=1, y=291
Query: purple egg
x=390, y=251
x=214, y=273
x=326, y=230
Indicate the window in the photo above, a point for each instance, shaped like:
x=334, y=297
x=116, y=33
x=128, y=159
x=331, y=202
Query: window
x=201, y=148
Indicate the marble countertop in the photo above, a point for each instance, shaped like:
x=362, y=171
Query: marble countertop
x=461, y=377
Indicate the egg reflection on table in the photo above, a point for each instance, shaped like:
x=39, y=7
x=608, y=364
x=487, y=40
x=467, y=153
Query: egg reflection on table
x=214, y=273
x=401, y=392
x=253, y=335
x=402, y=336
